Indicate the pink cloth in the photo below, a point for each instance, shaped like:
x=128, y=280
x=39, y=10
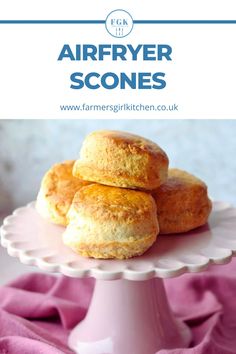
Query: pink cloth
x=37, y=311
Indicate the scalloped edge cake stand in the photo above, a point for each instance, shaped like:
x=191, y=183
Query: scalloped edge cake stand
x=129, y=311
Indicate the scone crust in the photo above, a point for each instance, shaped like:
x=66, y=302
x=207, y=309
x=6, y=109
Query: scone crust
x=109, y=222
x=56, y=193
x=111, y=250
x=182, y=202
x=121, y=159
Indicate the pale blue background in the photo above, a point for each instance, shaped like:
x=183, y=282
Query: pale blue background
x=28, y=148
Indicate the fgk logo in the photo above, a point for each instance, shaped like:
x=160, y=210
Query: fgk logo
x=119, y=23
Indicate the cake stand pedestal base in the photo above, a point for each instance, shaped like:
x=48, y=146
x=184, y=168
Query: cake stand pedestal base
x=129, y=317
x=128, y=313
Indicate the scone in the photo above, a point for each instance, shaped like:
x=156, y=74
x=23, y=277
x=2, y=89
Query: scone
x=182, y=202
x=56, y=193
x=121, y=159
x=109, y=222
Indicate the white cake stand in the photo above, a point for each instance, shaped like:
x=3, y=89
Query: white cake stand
x=129, y=312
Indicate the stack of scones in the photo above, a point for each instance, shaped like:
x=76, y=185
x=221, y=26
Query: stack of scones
x=119, y=196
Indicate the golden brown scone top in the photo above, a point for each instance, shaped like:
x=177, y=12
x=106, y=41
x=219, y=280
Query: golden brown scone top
x=60, y=182
x=57, y=190
x=121, y=159
x=182, y=202
x=179, y=179
x=105, y=202
x=130, y=141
